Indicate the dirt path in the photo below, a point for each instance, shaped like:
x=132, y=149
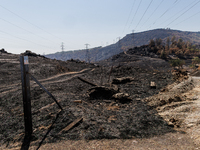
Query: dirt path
x=57, y=78
x=170, y=141
x=187, y=113
x=193, y=119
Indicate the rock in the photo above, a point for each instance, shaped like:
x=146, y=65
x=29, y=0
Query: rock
x=122, y=80
x=122, y=97
x=170, y=124
x=153, y=85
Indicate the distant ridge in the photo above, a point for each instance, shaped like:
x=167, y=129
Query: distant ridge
x=129, y=41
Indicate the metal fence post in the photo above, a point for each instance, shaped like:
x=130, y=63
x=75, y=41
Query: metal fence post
x=26, y=95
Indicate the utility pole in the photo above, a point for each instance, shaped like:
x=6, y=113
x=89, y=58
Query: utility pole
x=62, y=47
x=87, y=56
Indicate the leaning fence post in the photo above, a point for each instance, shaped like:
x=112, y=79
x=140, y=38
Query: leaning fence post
x=26, y=95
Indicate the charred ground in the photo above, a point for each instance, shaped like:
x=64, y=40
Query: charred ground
x=102, y=118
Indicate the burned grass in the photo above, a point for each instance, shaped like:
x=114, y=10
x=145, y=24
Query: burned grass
x=102, y=118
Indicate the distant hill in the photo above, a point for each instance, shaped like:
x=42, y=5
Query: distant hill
x=129, y=41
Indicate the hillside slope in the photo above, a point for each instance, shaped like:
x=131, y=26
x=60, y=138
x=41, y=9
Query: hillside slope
x=129, y=41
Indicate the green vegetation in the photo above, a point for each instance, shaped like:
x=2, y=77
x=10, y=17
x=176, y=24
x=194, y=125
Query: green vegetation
x=195, y=60
x=177, y=63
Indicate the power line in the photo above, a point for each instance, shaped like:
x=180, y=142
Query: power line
x=135, y=13
x=169, y=9
x=183, y=13
x=32, y=23
x=152, y=13
x=188, y=18
x=173, y=5
x=27, y=20
x=177, y=13
x=24, y=29
x=129, y=15
x=23, y=39
x=144, y=13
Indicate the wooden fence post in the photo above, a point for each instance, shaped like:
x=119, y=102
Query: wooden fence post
x=26, y=95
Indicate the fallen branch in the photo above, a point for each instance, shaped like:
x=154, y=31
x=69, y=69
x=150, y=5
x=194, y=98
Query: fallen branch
x=85, y=81
x=71, y=125
x=77, y=101
x=47, y=106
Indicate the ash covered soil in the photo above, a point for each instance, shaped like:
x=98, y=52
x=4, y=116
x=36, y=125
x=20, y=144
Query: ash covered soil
x=102, y=115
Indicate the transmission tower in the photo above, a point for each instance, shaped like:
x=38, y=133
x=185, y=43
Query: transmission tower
x=133, y=37
x=87, y=45
x=62, y=47
x=119, y=44
x=87, y=56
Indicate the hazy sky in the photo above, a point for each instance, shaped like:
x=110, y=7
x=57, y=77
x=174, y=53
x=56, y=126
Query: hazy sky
x=42, y=25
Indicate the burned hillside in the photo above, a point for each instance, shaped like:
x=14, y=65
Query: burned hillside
x=121, y=115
